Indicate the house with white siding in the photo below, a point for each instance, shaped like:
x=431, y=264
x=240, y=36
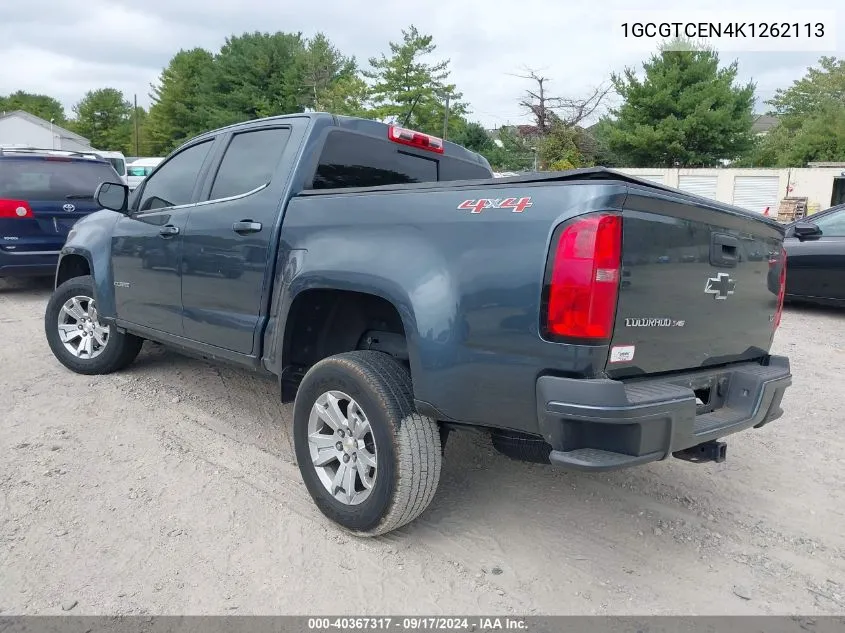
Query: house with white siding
x=755, y=189
x=22, y=128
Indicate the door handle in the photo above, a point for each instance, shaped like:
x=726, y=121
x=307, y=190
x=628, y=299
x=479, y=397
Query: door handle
x=724, y=250
x=168, y=229
x=246, y=226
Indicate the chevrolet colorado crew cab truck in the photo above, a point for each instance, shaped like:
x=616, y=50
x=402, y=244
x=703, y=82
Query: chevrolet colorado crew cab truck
x=397, y=291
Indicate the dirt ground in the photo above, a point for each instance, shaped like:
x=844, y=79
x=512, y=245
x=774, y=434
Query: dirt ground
x=171, y=488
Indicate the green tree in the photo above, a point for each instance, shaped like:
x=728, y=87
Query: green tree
x=811, y=120
x=143, y=147
x=686, y=111
x=40, y=105
x=510, y=151
x=473, y=136
x=347, y=96
x=405, y=86
x=256, y=75
x=103, y=117
x=565, y=147
x=322, y=67
x=818, y=88
x=181, y=105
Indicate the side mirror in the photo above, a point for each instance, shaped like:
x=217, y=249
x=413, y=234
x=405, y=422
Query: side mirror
x=806, y=231
x=112, y=195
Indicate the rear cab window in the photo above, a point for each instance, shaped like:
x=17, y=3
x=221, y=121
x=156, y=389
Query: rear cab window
x=52, y=178
x=349, y=159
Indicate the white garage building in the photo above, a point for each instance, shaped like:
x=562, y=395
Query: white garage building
x=22, y=128
x=756, y=189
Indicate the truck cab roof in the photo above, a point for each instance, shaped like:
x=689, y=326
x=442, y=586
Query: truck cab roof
x=323, y=123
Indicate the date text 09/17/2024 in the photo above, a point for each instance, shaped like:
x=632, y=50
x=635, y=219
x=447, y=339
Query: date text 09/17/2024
x=419, y=623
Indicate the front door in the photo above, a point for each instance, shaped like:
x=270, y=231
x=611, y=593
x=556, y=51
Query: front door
x=226, y=256
x=816, y=268
x=147, y=243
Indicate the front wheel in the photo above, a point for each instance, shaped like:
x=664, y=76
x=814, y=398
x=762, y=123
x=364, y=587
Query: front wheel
x=369, y=460
x=78, y=338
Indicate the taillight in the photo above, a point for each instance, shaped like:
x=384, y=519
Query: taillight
x=781, y=289
x=419, y=140
x=15, y=209
x=583, y=283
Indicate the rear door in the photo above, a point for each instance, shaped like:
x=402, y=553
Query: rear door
x=58, y=190
x=816, y=267
x=696, y=286
x=229, y=247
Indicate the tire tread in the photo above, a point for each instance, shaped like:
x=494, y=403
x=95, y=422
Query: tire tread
x=418, y=453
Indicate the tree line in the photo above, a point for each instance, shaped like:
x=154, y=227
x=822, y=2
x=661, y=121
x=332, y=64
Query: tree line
x=683, y=109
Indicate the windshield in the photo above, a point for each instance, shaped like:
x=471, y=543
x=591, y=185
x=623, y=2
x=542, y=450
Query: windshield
x=119, y=165
x=139, y=171
x=51, y=179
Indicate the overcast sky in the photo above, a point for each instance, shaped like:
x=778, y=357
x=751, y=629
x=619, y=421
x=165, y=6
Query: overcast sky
x=64, y=48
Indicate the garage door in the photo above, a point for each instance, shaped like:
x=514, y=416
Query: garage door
x=704, y=186
x=755, y=193
x=658, y=178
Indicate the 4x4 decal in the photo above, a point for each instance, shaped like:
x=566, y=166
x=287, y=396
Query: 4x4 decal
x=517, y=205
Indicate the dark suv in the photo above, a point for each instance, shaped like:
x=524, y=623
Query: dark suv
x=42, y=195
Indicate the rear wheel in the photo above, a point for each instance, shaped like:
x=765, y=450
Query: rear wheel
x=369, y=460
x=78, y=338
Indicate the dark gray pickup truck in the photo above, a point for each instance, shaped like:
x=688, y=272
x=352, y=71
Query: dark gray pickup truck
x=398, y=292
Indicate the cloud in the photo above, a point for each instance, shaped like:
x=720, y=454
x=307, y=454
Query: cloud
x=64, y=49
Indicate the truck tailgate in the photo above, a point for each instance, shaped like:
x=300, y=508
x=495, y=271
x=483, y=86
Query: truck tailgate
x=699, y=285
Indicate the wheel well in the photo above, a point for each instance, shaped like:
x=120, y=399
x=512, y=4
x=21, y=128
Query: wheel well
x=70, y=267
x=323, y=323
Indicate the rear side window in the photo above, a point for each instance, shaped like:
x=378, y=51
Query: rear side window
x=52, y=178
x=249, y=162
x=354, y=160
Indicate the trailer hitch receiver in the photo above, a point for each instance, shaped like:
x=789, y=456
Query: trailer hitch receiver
x=712, y=451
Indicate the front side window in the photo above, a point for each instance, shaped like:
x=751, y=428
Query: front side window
x=832, y=225
x=173, y=184
x=249, y=162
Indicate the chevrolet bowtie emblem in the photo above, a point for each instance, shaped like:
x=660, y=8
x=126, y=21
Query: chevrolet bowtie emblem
x=720, y=286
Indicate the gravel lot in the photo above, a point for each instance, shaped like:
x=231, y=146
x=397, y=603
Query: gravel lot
x=171, y=488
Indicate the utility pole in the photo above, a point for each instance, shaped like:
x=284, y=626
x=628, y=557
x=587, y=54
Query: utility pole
x=446, y=118
x=135, y=117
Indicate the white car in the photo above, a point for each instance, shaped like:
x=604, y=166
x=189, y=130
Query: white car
x=117, y=160
x=139, y=169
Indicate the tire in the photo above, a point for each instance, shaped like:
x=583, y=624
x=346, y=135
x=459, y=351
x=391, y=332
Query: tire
x=521, y=447
x=119, y=349
x=406, y=445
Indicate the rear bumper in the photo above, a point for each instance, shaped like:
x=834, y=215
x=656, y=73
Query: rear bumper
x=24, y=264
x=598, y=425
